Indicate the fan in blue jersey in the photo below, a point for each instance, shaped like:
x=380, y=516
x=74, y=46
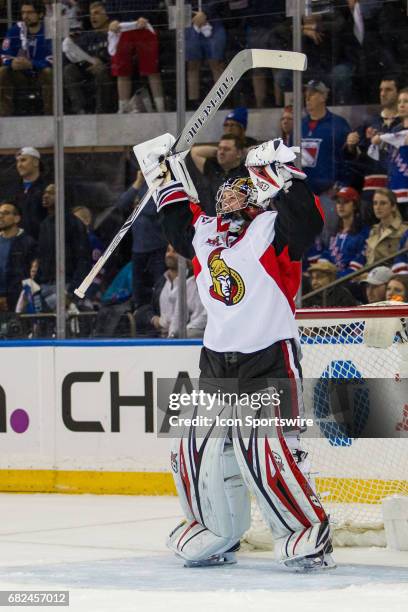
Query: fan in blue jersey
x=27, y=58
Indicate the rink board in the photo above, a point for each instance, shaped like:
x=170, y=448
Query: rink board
x=77, y=439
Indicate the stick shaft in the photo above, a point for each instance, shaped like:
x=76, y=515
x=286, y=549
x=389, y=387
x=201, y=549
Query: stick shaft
x=88, y=280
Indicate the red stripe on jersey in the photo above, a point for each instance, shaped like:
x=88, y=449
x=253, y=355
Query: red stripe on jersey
x=196, y=266
x=197, y=212
x=285, y=272
x=318, y=205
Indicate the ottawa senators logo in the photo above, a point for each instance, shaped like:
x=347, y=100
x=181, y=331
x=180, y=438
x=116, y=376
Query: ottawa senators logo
x=228, y=286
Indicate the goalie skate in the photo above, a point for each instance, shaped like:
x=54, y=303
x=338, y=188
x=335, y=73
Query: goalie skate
x=227, y=558
x=313, y=563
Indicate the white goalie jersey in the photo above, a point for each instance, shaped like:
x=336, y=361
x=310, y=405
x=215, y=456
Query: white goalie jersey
x=247, y=305
x=247, y=285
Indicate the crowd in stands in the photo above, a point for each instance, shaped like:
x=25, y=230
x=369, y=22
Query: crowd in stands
x=119, y=55
x=359, y=172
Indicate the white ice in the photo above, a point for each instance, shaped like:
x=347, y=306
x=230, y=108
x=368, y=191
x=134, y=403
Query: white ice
x=109, y=552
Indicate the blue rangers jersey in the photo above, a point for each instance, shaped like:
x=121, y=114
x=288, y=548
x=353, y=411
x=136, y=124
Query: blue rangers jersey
x=35, y=47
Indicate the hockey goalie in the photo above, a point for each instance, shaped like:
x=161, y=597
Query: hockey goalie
x=247, y=266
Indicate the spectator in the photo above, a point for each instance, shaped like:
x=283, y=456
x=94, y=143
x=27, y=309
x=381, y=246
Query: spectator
x=130, y=40
x=205, y=40
x=322, y=273
x=381, y=122
x=96, y=246
x=235, y=123
x=116, y=306
x=364, y=172
x=376, y=284
x=401, y=261
x=347, y=246
x=17, y=252
x=320, y=33
x=77, y=250
x=27, y=58
x=90, y=69
x=360, y=56
x=29, y=195
x=148, y=244
x=71, y=9
x=286, y=125
x=323, y=138
x=397, y=288
x=267, y=27
x=217, y=164
x=385, y=235
x=160, y=318
x=398, y=154
x=393, y=29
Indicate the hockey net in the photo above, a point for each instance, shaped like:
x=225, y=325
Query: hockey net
x=353, y=476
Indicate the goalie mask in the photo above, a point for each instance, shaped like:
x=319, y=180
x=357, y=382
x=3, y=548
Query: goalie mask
x=236, y=195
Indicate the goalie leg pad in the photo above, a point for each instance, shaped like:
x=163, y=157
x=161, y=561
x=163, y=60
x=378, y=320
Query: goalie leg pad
x=212, y=492
x=198, y=546
x=307, y=546
x=284, y=494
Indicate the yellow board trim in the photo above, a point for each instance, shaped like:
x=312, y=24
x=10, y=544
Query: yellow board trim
x=336, y=490
x=81, y=481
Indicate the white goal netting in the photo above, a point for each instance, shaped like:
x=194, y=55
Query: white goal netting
x=354, y=475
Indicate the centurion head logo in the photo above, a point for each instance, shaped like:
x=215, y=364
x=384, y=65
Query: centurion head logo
x=228, y=286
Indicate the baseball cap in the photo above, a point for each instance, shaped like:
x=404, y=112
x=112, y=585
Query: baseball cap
x=348, y=193
x=317, y=86
x=323, y=266
x=239, y=115
x=378, y=276
x=29, y=151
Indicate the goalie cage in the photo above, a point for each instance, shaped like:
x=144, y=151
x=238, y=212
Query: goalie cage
x=353, y=476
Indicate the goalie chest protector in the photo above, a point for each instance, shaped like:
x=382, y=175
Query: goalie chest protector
x=246, y=289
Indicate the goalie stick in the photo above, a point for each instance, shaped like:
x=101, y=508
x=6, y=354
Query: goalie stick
x=241, y=63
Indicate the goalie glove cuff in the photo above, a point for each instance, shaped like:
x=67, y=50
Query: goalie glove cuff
x=270, y=152
x=171, y=193
x=294, y=171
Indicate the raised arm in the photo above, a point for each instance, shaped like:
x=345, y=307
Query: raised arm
x=300, y=216
x=300, y=219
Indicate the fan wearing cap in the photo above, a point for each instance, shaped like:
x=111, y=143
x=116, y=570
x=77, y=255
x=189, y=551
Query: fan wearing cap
x=29, y=194
x=347, y=246
x=235, y=123
x=323, y=273
x=376, y=284
x=323, y=137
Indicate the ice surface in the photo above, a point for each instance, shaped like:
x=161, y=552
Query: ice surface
x=109, y=552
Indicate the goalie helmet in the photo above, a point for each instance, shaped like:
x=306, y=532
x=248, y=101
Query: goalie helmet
x=235, y=195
